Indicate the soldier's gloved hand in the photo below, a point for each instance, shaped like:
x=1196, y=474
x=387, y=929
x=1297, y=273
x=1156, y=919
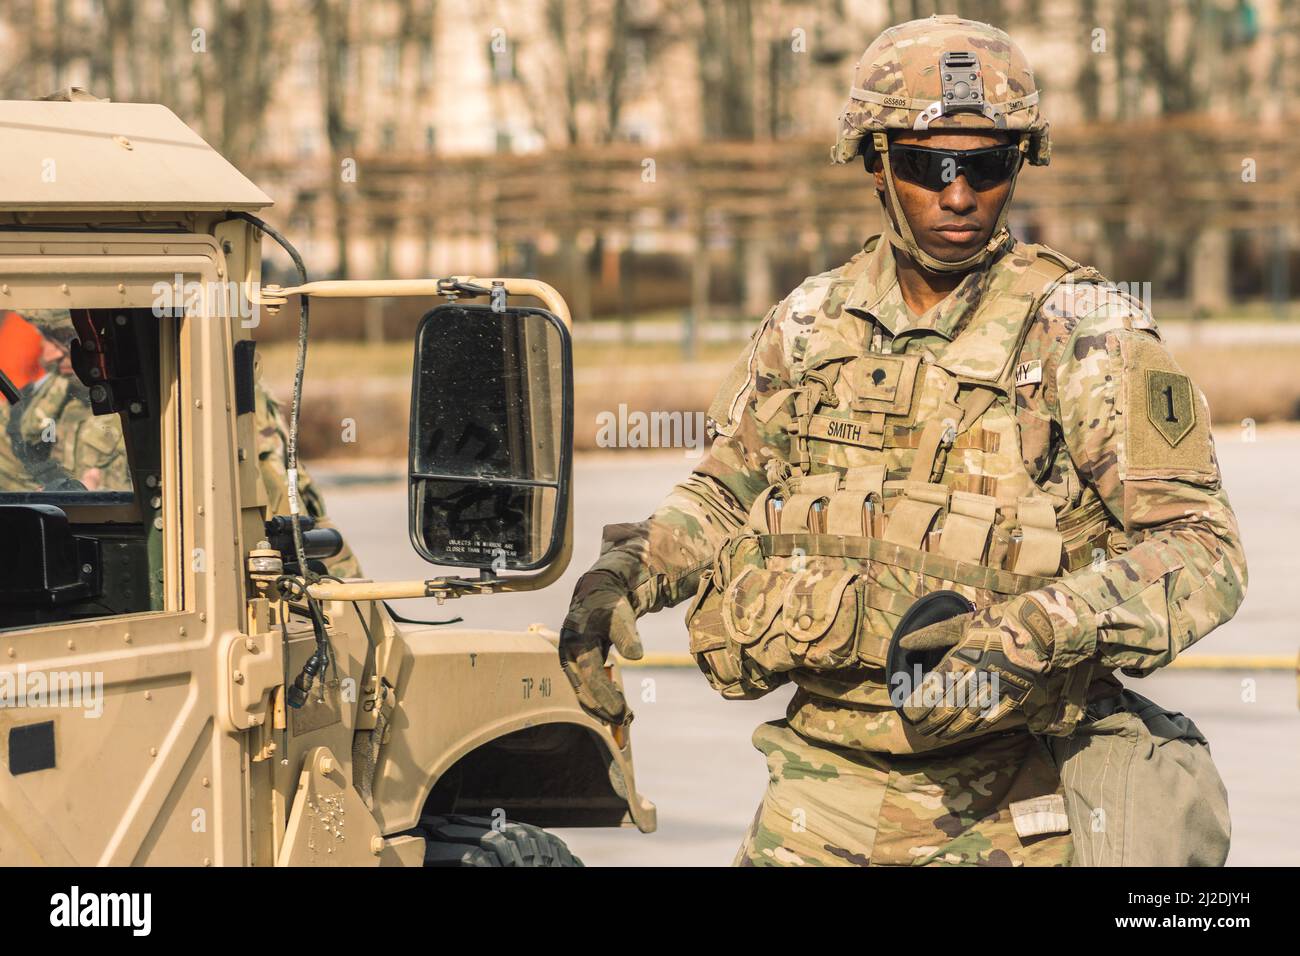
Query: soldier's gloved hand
x=600, y=615
x=998, y=661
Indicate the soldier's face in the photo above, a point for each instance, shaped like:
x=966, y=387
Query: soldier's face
x=954, y=222
x=56, y=358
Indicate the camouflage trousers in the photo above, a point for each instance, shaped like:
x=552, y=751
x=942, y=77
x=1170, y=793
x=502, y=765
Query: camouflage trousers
x=829, y=806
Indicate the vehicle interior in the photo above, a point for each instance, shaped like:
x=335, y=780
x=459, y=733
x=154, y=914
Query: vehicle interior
x=81, y=522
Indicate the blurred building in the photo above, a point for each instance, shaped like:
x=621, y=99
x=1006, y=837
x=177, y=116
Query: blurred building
x=411, y=137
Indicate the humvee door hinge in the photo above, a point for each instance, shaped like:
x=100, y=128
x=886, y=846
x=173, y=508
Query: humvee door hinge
x=250, y=667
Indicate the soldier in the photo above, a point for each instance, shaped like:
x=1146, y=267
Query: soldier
x=21, y=348
x=951, y=409
x=66, y=446
x=273, y=464
x=52, y=440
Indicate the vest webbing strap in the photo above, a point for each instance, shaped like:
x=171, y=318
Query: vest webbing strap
x=948, y=416
x=909, y=559
x=903, y=437
x=960, y=415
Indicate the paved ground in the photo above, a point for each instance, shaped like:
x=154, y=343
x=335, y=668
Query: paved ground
x=692, y=748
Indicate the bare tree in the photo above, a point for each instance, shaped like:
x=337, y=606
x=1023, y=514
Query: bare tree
x=336, y=49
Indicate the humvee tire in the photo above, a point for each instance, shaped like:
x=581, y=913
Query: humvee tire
x=455, y=840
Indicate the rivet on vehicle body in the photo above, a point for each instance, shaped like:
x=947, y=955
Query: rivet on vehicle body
x=155, y=502
x=64, y=288
x=207, y=861
x=200, y=509
x=239, y=677
x=153, y=751
x=123, y=142
x=121, y=286
x=182, y=632
x=198, y=403
x=151, y=481
x=72, y=646
x=157, y=523
x=148, y=695
x=251, y=645
x=207, y=782
x=203, y=615
x=5, y=288
x=126, y=638
x=11, y=652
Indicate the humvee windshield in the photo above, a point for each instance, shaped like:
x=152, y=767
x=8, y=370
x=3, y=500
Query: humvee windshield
x=52, y=443
x=80, y=465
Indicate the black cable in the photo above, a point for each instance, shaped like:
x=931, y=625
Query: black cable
x=9, y=390
x=296, y=694
x=410, y=620
x=300, y=367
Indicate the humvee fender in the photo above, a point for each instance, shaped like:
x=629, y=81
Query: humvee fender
x=511, y=738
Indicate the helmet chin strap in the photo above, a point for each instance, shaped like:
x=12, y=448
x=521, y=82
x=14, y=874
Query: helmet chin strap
x=901, y=238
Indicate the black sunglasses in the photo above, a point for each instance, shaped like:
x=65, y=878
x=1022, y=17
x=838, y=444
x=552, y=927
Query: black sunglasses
x=936, y=168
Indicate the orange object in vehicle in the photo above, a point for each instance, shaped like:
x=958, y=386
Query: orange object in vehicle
x=21, y=344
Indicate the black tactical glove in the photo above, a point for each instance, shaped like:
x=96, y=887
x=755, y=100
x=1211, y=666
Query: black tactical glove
x=600, y=615
x=995, y=662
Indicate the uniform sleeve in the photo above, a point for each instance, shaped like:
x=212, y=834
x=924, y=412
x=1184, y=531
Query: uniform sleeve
x=43, y=408
x=1138, y=431
x=660, y=559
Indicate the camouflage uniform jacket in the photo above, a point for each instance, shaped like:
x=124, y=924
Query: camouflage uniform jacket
x=62, y=440
x=1092, y=381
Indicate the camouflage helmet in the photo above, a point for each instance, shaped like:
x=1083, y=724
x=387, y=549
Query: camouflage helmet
x=942, y=73
x=54, y=324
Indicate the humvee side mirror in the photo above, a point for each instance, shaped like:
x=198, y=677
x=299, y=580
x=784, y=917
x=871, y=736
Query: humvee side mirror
x=491, y=437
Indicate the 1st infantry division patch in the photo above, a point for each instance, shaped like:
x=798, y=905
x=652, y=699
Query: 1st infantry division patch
x=1170, y=405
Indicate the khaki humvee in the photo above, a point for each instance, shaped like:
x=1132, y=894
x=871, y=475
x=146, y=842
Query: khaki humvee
x=155, y=637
